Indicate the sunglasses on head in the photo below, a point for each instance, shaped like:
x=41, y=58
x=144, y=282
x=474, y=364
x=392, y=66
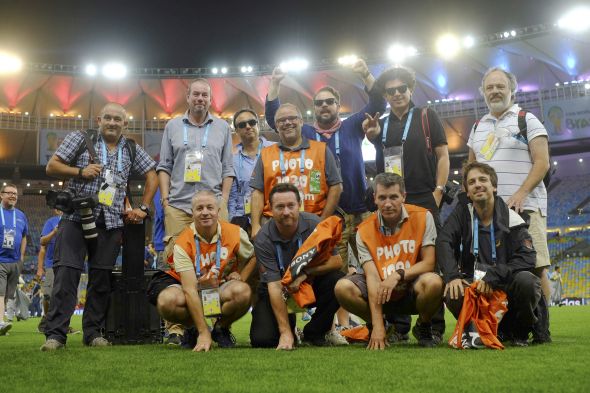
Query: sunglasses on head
x=243, y=124
x=391, y=90
x=328, y=101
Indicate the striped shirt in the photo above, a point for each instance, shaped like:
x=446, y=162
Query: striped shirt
x=512, y=159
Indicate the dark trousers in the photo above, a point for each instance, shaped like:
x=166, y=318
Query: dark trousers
x=403, y=323
x=524, y=293
x=264, y=331
x=70, y=251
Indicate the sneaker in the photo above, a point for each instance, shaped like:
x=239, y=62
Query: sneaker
x=4, y=327
x=174, y=339
x=99, y=342
x=394, y=337
x=437, y=336
x=188, y=340
x=335, y=339
x=423, y=333
x=71, y=330
x=52, y=345
x=223, y=336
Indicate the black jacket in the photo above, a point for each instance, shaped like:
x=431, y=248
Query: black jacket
x=454, y=249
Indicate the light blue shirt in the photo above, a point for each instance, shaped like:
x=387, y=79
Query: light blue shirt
x=240, y=189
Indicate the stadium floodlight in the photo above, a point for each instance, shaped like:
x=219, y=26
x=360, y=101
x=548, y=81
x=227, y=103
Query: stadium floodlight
x=224, y=70
x=130, y=117
x=347, y=60
x=468, y=41
x=244, y=69
x=79, y=116
x=580, y=160
x=556, y=84
x=214, y=70
x=26, y=113
x=512, y=33
x=587, y=86
x=448, y=46
x=90, y=70
x=114, y=70
x=28, y=184
x=398, y=53
x=575, y=20
x=51, y=115
x=10, y=63
x=294, y=65
x=555, y=163
x=506, y=34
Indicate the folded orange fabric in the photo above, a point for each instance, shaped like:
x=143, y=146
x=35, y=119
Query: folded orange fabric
x=314, y=251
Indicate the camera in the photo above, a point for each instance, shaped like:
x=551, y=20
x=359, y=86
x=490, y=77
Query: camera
x=68, y=203
x=451, y=191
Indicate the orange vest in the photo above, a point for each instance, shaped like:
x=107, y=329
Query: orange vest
x=398, y=251
x=230, y=244
x=314, y=164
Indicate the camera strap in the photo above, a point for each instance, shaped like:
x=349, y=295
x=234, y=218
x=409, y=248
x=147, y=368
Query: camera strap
x=90, y=146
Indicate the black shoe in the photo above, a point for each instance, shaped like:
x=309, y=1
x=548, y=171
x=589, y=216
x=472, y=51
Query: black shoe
x=423, y=333
x=189, y=339
x=223, y=336
x=520, y=337
x=174, y=339
x=42, y=325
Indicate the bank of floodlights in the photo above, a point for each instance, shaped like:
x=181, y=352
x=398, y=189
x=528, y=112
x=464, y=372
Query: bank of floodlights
x=348, y=60
x=294, y=65
x=576, y=20
x=448, y=46
x=114, y=70
x=398, y=53
x=10, y=63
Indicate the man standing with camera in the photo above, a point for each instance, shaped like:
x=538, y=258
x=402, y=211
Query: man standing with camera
x=80, y=232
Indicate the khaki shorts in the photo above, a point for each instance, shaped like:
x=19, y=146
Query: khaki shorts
x=47, y=285
x=351, y=222
x=538, y=231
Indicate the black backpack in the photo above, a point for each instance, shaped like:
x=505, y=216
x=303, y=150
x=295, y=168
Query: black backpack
x=522, y=135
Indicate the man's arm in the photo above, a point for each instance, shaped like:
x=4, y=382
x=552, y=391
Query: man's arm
x=331, y=200
x=41, y=262
x=195, y=309
x=164, y=183
x=377, y=339
x=442, y=170
x=447, y=242
x=471, y=157
x=44, y=240
x=58, y=168
x=272, y=97
x=226, y=187
x=334, y=181
x=279, y=308
x=425, y=265
x=23, y=248
x=332, y=264
x=539, y=149
x=257, y=207
x=149, y=190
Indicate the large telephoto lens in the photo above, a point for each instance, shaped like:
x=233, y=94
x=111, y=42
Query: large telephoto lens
x=88, y=224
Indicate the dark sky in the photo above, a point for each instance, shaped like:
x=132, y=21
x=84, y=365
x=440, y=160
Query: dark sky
x=207, y=33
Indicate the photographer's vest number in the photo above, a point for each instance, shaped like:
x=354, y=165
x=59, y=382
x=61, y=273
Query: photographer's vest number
x=108, y=189
x=305, y=169
x=9, y=233
x=400, y=250
x=193, y=159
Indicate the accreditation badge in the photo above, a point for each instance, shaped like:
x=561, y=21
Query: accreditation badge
x=247, y=204
x=393, y=158
x=211, y=300
x=107, y=190
x=193, y=161
x=479, y=270
x=8, y=241
x=315, y=181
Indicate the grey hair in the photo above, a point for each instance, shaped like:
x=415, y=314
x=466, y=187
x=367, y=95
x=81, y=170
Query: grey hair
x=203, y=192
x=511, y=79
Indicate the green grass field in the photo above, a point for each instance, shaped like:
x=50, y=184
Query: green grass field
x=558, y=367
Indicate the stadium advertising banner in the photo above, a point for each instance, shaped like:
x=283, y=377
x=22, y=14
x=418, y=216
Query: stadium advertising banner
x=49, y=141
x=567, y=119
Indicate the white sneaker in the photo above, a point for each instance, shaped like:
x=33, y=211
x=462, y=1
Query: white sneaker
x=4, y=327
x=335, y=338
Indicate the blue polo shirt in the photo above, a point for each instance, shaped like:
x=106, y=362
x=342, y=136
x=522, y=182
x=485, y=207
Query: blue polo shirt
x=15, y=220
x=49, y=226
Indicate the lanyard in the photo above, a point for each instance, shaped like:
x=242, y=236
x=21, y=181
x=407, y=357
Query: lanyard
x=13, y=217
x=476, y=239
x=198, y=256
x=282, y=163
x=241, y=160
x=318, y=138
x=119, y=156
x=280, y=254
x=406, y=128
x=203, y=141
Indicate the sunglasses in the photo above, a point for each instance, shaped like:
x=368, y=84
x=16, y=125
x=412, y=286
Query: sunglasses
x=401, y=89
x=243, y=124
x=328, y=101
x=283, y=120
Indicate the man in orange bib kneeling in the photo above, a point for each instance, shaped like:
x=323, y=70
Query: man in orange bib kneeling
x=210, y=265
x=396, y=252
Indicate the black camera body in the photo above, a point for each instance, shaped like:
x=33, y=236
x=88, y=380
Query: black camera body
x=68, y=203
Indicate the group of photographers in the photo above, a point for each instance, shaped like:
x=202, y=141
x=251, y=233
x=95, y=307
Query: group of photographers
x=198, y=177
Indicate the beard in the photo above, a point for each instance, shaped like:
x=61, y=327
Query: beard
x=327, y=121
x=499, y=106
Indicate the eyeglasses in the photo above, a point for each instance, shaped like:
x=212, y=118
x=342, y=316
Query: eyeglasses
x=290, y=119
x=10, y=193
x=251, y=123
x=328, y=101
x=401, y=88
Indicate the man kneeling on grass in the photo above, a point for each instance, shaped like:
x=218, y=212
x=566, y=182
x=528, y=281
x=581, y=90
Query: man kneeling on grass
x=211, y=262
x=396, y=251
x=501, y=256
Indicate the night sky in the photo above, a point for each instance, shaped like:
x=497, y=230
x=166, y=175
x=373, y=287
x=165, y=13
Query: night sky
x=204, y=34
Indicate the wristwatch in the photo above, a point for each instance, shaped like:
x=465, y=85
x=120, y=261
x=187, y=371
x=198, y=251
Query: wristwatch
x=402, y=274
x=441, y=188
x=144, y=209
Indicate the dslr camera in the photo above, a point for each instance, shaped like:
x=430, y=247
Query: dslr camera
x=68, y=203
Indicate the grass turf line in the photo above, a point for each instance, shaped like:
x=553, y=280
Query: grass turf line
x=558, y=367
